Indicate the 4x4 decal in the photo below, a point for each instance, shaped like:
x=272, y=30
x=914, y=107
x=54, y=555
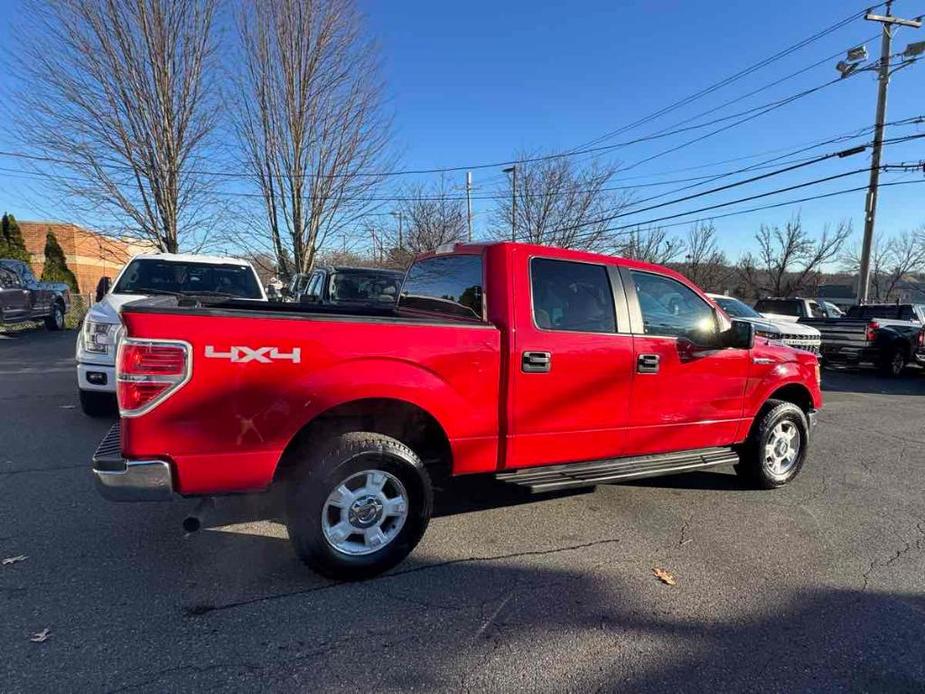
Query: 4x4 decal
x=239, y=354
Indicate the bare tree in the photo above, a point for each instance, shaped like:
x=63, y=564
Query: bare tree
x=310, y=121
x=788, y=259
x=559, y=204
x=892, y=262
x=651, y=245
x=851, y=262
x=705, y=264
x=431, y=216
x=115, y=95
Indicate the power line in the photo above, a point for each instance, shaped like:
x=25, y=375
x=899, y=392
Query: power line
x=732, y=78
x=633, y=228
x=749, y=114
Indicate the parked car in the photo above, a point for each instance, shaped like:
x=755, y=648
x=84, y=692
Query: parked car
x=545, y=367
x=795, y=308
x=23, y=298
x=346, y=285
x=888, y=336
x=791, y=334
x=145, y=275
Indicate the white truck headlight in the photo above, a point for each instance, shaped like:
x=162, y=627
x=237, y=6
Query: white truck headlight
x=98, y=338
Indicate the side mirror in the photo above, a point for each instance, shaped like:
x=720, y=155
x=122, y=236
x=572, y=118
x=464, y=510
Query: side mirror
x=740, y=336
x=102, y=288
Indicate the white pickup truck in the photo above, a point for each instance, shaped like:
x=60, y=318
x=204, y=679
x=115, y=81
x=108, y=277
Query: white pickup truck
x=147, y=275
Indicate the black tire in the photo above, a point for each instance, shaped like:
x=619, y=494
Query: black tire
x=754, y=465
x=319, y=471
x=98, y=404
x=55, y=320
x=894, y=363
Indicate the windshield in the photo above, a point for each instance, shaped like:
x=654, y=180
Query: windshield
x=377, y=287
x=735, y=308
x=153, y=276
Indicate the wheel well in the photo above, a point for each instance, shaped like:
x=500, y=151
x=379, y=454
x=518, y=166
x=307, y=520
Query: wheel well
x=795, y=393
x=402, y=420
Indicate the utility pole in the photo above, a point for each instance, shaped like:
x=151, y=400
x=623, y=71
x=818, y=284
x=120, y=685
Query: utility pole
x=469, y=203
x=889, y=23
x=513, y=171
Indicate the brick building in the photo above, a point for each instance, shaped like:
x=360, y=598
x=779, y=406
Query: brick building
x=89, y=255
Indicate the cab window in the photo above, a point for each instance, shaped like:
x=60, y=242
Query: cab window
x=671, y=309
x=571, y=296
x=450, y=286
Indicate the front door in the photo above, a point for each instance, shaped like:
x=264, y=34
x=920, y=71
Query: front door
x=571, y=365
x=686, y=393
x=14, y=299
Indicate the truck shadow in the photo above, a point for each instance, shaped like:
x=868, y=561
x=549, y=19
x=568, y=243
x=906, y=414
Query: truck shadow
x=435, y=620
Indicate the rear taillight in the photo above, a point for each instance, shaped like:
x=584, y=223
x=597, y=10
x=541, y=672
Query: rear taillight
x=148, y=372
x=872, y=329
x=922, y=338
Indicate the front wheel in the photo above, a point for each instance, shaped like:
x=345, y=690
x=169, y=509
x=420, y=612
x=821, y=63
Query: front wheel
x=55, y=320
x=777, y=446
x=358, y=505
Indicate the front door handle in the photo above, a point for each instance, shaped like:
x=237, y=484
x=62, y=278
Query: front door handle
x=536, y=362
x=647, y=363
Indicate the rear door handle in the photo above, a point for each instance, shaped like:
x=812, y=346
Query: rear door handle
x=536, y=362
x=647, y=363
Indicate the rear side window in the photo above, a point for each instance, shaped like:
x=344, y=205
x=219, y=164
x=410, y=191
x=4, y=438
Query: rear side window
x=571, y=296
x=448, y=285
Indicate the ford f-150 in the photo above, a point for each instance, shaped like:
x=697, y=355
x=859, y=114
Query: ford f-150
x=546, y=368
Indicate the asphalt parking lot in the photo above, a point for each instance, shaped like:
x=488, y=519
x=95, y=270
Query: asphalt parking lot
x=819, y=585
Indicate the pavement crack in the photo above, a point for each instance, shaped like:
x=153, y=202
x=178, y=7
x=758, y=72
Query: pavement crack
x=908, y=547
x=204, y=609
x=683, y=539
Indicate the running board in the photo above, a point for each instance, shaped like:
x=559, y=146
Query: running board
x=550, y=478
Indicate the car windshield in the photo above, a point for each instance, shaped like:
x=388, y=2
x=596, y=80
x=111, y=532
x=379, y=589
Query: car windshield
x=365, y=286
x=736, y=308
x=154, y=276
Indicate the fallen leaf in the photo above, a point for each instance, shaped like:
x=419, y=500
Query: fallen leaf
x=13, y=560
x=42, y=636
x=664, y=576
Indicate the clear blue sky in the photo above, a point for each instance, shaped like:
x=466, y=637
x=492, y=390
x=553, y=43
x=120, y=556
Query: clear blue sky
x=473, y=82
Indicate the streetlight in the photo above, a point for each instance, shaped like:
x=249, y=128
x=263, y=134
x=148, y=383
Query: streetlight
x=513, y=171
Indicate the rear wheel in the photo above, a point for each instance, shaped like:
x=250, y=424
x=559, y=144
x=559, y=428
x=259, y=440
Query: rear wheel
x=776, y=447
x=98, y=404
x=894, y=363
x=55, y=320
x=358, y=505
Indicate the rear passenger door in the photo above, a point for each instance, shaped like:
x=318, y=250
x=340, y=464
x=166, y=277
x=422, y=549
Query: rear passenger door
x=571, y=364
x=685, y=394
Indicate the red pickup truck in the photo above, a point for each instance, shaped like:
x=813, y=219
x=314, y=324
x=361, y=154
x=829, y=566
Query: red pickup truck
x=547, y=368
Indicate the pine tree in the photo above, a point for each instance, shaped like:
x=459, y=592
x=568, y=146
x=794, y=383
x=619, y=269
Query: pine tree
x=11, y=241
x=56, y=269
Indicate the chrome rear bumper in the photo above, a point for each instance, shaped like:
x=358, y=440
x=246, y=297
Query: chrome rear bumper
x=118, y=479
